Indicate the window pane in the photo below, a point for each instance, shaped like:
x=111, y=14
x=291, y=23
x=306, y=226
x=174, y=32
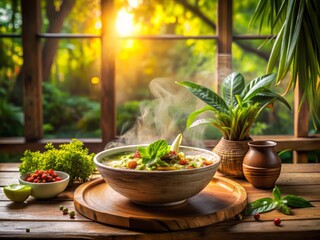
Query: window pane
x=11, y=85
x=159, y=64
x=314, y=156
x=11, y=112
x=10, y=157
x=10, y=16
x=81, y=17
x=166, y=17
x=251, y=62
x=71, y=102
x=242, y=13
x=250, y=56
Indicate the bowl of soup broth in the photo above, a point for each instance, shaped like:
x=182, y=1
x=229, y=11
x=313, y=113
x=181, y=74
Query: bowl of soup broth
x=155, y=174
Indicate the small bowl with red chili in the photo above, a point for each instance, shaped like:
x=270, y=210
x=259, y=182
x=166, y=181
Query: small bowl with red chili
x=45, y=183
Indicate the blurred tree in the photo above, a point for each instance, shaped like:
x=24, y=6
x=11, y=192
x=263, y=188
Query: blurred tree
x=56, y=12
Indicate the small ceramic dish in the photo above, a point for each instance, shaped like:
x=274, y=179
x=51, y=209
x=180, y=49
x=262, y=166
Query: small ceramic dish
x=49, y=189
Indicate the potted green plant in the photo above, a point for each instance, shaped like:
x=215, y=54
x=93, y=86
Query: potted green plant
x=235, y=112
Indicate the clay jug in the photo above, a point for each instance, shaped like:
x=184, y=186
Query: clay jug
x=261, y=164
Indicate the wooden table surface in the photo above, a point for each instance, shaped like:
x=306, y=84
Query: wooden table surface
x=45, y=220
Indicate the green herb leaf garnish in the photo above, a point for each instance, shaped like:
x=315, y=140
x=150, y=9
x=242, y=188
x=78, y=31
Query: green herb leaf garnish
x=296, y=202
x=276, y=193
x=151, y=154
x=260, y=205
x=282, y=204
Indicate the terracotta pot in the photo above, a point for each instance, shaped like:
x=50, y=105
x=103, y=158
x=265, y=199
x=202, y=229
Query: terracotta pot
x=261, y=164
x=231, y=154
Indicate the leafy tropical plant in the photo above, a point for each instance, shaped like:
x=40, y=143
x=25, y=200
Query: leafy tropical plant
x=296, y=47
x=238, y=107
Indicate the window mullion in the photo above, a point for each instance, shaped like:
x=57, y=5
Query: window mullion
x=108, y=44
x=32, y=75
x=224, y=33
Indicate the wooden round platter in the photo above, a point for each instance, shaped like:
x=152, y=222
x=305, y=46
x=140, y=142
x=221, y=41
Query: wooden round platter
x=220, y=200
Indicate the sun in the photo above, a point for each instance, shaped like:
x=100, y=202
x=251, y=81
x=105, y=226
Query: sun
x=124, y=23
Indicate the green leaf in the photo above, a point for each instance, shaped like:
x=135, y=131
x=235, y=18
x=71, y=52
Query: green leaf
x=267, y=96
x=152, y=152
x=258, y=12
x=297, y=202
x=260, y=206
x=296, y=49
x=267, y=204
x=143, y=152
x=276, y=193
x=203, y=121
x=284, y=209
x=159, y=148
x=194, y=114
x=275, y=52
x=206, y=95
x=232, y=85
x=257, y=85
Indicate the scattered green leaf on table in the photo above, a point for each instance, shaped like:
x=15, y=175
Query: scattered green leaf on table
x=267, y=204
x=296, y=202
x=260, y=205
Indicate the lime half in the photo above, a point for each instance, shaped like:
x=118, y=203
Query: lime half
x=17, y=192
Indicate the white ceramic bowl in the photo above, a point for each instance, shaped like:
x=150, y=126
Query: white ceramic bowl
x=49, y=189
x=158, y=188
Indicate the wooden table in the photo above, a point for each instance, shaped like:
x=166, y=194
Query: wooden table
x=45, y=220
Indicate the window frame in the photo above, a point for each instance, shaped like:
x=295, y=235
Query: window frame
x=31, y=43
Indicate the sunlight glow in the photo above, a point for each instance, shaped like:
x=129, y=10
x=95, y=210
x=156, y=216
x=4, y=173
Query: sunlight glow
x=124, y=23
x=134, y=3
x=98, y=25
x=95, y=80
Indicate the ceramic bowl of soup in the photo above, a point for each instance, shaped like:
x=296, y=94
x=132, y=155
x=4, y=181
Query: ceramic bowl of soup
x=168, y=184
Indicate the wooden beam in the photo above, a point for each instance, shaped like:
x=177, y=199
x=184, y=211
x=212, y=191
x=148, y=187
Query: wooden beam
x=284, y=142
x=224, y=41
x=15, y=145
x=19, y=145
x=108, y=96
x=32, y=76
x=301, y=123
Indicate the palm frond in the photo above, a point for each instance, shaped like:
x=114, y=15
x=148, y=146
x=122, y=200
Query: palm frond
x=296, y=48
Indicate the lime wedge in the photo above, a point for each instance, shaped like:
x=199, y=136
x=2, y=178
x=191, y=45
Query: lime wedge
x=17, y=192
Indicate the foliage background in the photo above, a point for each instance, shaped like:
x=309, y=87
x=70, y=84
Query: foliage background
x=71, y=94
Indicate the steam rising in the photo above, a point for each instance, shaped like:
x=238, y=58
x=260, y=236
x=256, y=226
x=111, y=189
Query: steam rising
x=165, y=117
